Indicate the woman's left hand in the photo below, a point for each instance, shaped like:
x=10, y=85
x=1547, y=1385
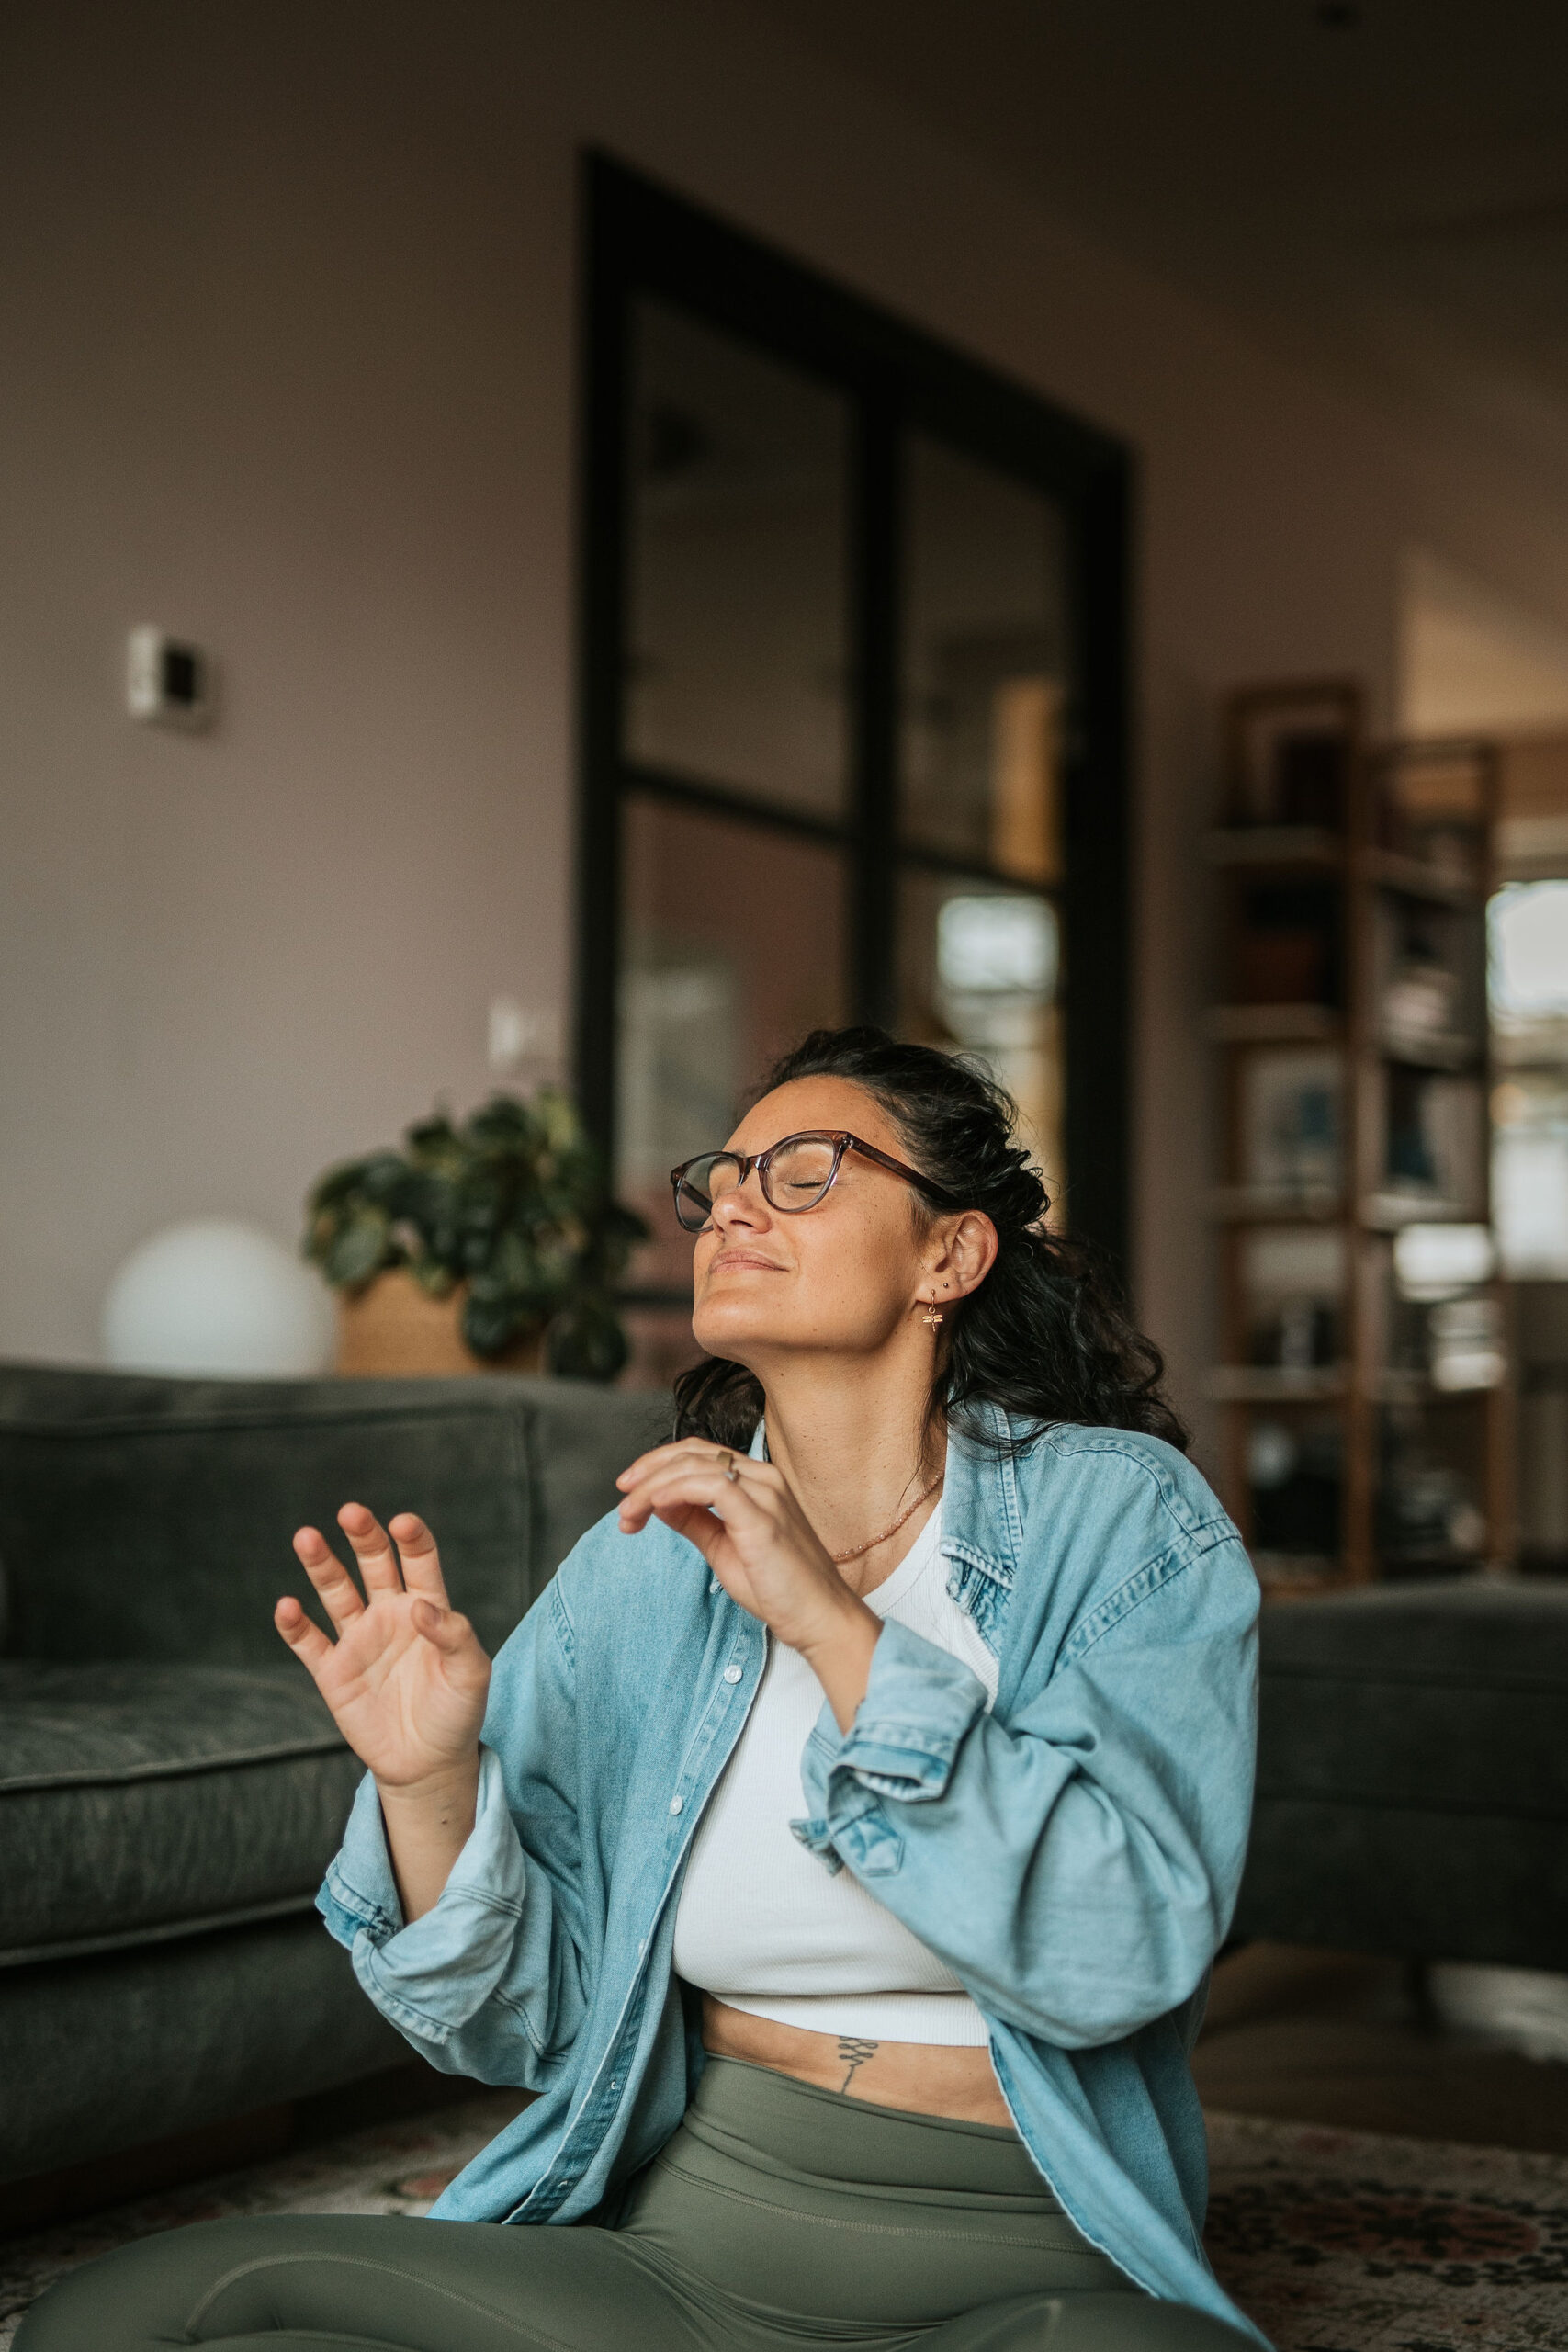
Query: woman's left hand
x=764, y=1551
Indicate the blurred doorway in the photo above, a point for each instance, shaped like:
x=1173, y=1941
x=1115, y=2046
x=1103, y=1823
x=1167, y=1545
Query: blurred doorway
x=852, y=719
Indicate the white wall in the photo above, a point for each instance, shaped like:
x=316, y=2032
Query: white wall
x=288, y=294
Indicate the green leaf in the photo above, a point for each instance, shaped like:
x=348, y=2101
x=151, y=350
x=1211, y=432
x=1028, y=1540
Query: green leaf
x=358, y=1250
x=330, y=1190
x=587, y=1342
x=384, y=1180
x=489, y=1325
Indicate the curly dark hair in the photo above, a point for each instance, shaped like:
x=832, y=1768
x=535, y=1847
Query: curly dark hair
x=1045, y=1336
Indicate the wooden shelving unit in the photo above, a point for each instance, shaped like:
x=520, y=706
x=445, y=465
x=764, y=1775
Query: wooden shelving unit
x=1362, y=1387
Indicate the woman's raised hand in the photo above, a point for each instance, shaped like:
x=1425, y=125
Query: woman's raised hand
x=753, y=1533
x=406, y=1678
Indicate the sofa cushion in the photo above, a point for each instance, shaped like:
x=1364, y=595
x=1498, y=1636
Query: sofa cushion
x=141, y=1802
x=1413, y=1773
x=100, y=2054
x=150, y=1518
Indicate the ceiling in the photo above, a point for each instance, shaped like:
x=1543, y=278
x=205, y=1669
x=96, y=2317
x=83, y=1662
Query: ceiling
x=1378, y=185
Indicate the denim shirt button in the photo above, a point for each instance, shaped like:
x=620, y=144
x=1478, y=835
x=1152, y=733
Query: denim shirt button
x=676, y=1803
x=732, y=1674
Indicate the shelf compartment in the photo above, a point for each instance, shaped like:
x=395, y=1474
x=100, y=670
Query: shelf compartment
x=1272, y=1024
x=1413, y=879
x=1432, y=1049
x=1395, y=1387
x=1276, y=1204
x=1277, y=845
x=1272, y=1384
x=1392, y=1212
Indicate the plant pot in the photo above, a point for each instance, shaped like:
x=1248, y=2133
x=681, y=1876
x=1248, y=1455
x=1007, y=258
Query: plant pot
x=392, y=1328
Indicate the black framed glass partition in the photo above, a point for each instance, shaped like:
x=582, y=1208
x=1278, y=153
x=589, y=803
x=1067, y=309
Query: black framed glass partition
x=852, y=719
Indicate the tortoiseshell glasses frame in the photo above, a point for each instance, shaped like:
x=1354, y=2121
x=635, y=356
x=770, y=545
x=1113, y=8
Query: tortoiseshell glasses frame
x=784, y=1162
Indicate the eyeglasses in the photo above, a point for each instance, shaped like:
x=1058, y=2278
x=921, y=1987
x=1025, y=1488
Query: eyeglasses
x=795, y=1174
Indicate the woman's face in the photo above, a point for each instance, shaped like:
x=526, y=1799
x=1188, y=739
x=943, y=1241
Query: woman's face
x=846, y=1277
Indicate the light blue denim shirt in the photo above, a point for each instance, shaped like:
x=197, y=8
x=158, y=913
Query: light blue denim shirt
x=1073, y=1856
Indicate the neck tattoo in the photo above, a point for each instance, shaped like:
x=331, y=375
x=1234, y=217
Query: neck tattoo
x=843, y=1559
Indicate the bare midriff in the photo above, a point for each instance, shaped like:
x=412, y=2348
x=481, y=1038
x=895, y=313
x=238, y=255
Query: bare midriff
x=923, y=2077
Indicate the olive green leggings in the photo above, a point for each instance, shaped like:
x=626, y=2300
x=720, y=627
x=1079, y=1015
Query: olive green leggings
x=778, y=2216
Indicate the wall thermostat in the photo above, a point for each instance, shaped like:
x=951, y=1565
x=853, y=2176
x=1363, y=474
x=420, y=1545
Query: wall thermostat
x=167, y=681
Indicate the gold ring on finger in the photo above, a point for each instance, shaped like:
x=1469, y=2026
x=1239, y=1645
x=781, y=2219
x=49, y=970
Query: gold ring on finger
x=731, y=1472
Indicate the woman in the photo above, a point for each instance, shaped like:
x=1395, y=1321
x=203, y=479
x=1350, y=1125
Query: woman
x=855, y=1969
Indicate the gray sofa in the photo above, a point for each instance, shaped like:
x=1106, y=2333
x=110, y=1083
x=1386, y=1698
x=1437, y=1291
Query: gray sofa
x=1413, y=1773
x=171, y=1788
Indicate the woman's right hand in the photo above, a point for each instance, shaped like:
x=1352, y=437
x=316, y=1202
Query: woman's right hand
x=406, y=1678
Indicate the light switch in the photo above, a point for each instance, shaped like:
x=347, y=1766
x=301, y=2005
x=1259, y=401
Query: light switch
x=168, y=682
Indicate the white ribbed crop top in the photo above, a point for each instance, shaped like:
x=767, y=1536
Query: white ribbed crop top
x=763, y=1924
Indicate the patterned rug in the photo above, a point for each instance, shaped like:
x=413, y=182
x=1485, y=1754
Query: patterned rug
x=1333, y=2241
x=1347, y=2241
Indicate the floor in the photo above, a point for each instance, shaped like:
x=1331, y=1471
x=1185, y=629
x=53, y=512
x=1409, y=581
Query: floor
x=1312, y=2037
x=1381, y=2182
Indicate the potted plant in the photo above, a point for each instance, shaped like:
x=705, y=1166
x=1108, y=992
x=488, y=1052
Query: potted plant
x=489, y=1244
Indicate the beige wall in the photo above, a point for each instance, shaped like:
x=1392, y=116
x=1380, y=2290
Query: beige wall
x=287, y=294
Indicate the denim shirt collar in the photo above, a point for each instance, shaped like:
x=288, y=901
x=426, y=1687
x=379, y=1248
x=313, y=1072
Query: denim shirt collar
x=982, y=1525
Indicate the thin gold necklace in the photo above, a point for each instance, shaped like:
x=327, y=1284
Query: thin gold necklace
x=843, y=1559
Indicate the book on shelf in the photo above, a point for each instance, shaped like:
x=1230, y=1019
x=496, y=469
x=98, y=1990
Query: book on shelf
x=1435, y=1141
x=1429, y=982
x=1285, y=942
x=1295, y=1474
x=1438, y=1326
x=1290, y=756
x=1433, y=808
x=1293, y=1280
x=1466, y=1349
x=1292, y=1124
x=1428, y=1508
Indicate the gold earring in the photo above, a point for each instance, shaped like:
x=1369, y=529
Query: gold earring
x=930, y=1316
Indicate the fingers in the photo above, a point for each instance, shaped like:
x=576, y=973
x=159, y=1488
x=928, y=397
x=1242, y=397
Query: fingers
x=453, y=1636
x=696, y=1449
x=339, y=1593
x=373, y=1549
x=307, y=1641
x=421, y=1560
x=676, y=1486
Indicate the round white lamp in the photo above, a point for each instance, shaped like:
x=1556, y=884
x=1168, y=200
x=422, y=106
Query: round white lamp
x=218, y=1297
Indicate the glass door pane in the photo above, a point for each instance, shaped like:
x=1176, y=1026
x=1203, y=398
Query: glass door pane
x=732, y=946
x=985, y=665
x=979, y=967
x=739, y=567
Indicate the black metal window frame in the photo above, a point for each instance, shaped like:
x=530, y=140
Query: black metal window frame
x=642, y=240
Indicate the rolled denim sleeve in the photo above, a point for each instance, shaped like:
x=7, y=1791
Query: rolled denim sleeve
x=919, y=1702
x=486, y=1983
x=1075, y=1865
